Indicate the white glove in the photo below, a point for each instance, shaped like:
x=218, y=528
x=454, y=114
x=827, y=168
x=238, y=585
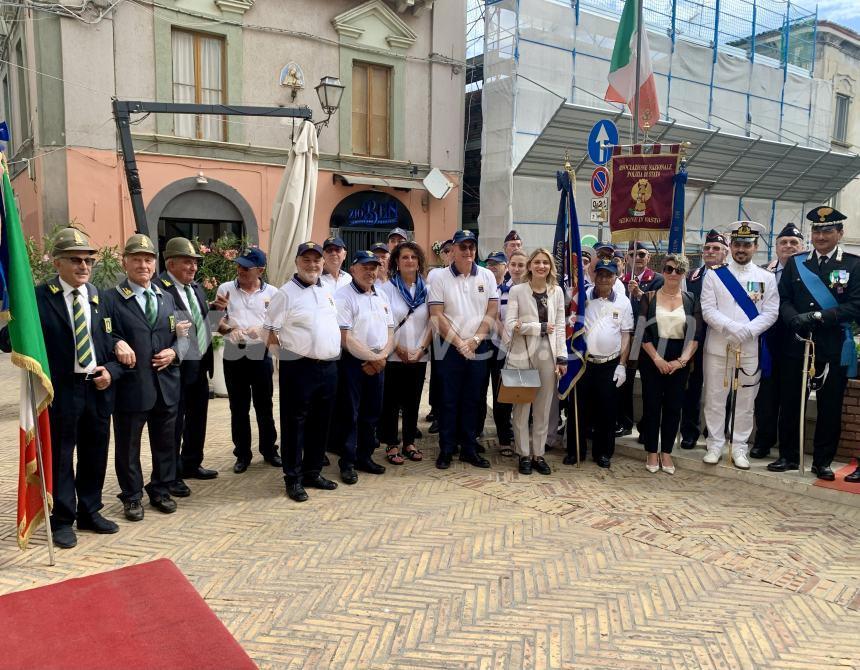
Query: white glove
x=734, y=339
x=620, y=376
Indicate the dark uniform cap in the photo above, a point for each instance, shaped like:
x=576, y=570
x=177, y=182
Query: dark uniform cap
x=790, y=230
x=180, y=246
x=398, y=231
x=380, y=246
x=715, y=236
x=71, y=239
x=607, y=265
x=826, y=218
x=305, y=247
x=637, y=246
x=469, y=236
x=588, y=251
x=139, y=244
x=334, y=242
x=513, y=235
x=604, y=245
x=252, y=257
x=745, y=231
x=618, y=254
x=364, y=257
x=497, y=257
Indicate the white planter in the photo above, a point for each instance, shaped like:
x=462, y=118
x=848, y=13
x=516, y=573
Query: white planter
x=218, y=380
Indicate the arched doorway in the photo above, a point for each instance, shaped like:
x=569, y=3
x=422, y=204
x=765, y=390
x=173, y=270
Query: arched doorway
x=187, y=208
x=367, y=216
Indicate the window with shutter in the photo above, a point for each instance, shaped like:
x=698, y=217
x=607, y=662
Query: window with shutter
x=371, y=110
x=198, y=77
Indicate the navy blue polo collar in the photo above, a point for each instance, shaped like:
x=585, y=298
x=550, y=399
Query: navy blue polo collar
x=262, y=284
x=303, y=284
x=357, y=288
x=457, y=273
x=611, y=297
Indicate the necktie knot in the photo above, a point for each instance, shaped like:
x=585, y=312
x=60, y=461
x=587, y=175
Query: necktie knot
x=75, y=292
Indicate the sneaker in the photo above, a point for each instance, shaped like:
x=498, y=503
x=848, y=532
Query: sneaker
x=712, y=457
x=739, y=458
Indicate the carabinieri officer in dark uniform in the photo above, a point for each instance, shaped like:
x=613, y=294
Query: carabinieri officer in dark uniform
x=181, y=258
x=145, y=334
x=819, y=298
x=84, y=372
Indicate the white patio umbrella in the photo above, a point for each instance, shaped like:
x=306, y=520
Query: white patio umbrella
x=293, y=208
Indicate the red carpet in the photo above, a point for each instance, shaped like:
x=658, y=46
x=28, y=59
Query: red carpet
x=144, y=616
x=840, y=484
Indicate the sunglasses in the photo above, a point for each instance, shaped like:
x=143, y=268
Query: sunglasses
x=669, y=269
x=76, y=260
x=639, y=254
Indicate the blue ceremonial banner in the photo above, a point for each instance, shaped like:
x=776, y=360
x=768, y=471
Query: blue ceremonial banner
x=568, y=251
x=676, y=230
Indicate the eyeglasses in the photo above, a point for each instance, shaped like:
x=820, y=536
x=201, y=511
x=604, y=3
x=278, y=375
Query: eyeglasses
x=76, y=260
x=669, y=269
x=639, y=254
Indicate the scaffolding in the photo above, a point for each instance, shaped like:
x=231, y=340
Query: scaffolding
x=732, y=67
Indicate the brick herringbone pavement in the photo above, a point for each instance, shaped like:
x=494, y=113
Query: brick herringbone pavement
x=421, y=568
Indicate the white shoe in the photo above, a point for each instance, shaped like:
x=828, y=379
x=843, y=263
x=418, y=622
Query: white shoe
x=712, y=457
x=739, y=458
x=652, y=468
x=668, y=469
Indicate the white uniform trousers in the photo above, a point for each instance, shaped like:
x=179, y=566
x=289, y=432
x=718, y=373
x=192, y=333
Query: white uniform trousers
x=539, y=409
x=718, y=369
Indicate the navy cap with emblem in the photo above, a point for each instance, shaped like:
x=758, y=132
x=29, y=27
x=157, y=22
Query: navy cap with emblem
x=447, y=243
x=826, y=218
x=716, y=237
x=512, y=236
x=363, y=257
x=305, y=247
x=398, y=231
x=604, y=245
x=379, y=246
x=790, y=230
x=464, y=236
x=607, y=265
x=334, y=242
x=252, y=257
x=497, y=257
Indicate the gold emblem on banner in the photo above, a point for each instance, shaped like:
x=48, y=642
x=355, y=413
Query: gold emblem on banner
x=641, y=193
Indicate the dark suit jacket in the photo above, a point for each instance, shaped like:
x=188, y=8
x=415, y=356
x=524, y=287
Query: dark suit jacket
x=778, y=335
x=651, y=282
x=60, y=344
x=796, y=299
x=139, y=386
x=194, y=363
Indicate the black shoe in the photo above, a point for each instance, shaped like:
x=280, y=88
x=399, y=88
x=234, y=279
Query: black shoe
x=476, y=460
x=781, y=465
x=348, y=476
x=621, y=431
x=434, y=427
x=133, y=510
x=319, y=482
x=179, y=489
x=760, y=452
x=98, y=524
x=163, y=503
x=199, y=473
x=854, y=477
x=296, y=492
x=418, y=434
x=64, y=537
x=541, y=466
x=569, y=459
x=240, y=466
x=443, y=462
x=326, y=461
x=274, y=460
x=604, y=462
x=823, y=472
x=525, y=467
x=688, y=444
x=370, y=466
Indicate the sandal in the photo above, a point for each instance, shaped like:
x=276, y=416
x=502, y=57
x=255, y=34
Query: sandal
x=506, y=451
x=393, y=456
x=412, y=453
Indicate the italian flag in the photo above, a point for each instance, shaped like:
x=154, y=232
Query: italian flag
x=622, y=70
x=28, y=353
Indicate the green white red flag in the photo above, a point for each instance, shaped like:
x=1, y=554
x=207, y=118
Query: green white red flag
x=622, y=70
x=18, y=305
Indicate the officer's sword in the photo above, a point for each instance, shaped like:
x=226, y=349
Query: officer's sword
x=808, y=375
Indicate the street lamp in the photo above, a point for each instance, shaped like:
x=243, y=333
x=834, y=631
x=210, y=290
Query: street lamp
x=329, y=91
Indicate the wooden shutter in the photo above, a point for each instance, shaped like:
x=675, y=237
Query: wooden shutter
x=371, y=104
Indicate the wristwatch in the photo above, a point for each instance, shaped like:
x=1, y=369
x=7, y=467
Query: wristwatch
x=477, y=340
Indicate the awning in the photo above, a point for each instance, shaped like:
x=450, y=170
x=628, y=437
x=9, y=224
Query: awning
x=388, y=182
x=719, y=162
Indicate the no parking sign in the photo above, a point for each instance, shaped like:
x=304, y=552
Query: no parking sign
x=600, y=181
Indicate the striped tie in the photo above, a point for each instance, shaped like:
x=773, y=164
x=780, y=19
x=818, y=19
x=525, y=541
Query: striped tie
x=83, y=346
x=151, y=310
x=197, y=318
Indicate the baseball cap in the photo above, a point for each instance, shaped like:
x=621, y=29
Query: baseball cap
x=305, y=247
x=334, y=242
x=252, y=257
x=497, y=257
x=464, y=236
x=607, y=265
x=364, y=257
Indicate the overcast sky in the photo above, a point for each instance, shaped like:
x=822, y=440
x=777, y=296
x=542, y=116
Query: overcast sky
x=846, y=12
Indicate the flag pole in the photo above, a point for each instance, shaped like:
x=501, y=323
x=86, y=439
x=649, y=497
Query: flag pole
x=46, y=509
x=638, y=70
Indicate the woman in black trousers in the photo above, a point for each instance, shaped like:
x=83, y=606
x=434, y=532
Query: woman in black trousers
x=406, y=292
x=670, y=330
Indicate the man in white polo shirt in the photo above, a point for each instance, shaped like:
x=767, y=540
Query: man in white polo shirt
x=464, y=302
x=608, y=328
x=334, y=254
x=302, y=320
x=367, y=338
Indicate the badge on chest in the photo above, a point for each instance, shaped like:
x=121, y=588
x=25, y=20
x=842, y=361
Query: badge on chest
x=755, y=290
x=839, y=280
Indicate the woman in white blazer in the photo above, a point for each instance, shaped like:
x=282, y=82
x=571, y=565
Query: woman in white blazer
x=535, y=323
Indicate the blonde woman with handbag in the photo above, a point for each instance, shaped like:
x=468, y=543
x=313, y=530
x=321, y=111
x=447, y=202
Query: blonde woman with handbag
x=535, y=322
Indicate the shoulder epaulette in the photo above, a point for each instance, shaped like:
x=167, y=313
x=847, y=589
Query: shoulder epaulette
x=125, y=291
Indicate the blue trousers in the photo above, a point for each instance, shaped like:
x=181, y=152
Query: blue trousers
x=461, y=399
x=359, y=405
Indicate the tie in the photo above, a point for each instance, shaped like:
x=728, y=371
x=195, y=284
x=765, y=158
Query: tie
x=83, y=346
x=821, y=261
x=151, y=311
x=197, y=318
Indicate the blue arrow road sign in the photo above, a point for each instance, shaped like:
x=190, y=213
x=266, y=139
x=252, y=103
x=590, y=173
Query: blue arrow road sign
x=601, y=139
